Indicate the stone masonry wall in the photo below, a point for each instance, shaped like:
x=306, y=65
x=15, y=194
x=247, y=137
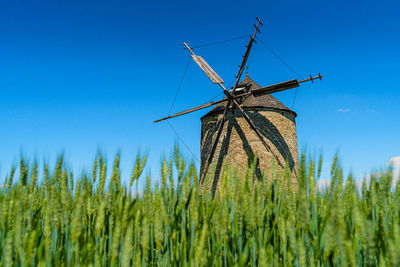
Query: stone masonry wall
x=239, y=144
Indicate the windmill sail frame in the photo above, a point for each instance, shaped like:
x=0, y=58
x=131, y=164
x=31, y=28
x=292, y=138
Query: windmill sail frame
x=233, y=100
x=211, y=74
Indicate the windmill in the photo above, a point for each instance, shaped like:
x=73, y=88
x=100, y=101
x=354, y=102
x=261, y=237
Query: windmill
x=236, y=102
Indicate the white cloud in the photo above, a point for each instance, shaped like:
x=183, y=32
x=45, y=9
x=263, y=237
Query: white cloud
x=323, y=183
x=138, y=193
x=344, y=110
x=396, y=176
x=394, y=162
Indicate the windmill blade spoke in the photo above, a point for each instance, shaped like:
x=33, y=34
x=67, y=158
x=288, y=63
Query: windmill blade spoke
x=206, y=105
x=211, y=74
x=282, y=86
x=203, y=106
x=275, y=88
x=246, y=54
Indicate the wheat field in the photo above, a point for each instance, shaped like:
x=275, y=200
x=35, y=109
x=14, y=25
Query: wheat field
x=93, y=221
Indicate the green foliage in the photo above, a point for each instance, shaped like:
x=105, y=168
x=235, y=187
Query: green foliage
x=248, y=222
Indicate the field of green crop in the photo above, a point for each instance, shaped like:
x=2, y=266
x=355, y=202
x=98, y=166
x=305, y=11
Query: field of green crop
x=91, y=220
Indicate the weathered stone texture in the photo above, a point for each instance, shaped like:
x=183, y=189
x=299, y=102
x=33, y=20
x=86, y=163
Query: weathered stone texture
x=239, y=144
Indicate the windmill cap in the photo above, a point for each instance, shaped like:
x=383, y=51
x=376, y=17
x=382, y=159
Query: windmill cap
x=262, y=101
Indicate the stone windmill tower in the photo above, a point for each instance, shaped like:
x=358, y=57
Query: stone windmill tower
x=239, y=145
x=252, y=124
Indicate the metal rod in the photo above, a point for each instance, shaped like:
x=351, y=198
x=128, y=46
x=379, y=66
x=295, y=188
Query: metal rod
x=188, y=48
x=311, y=78
x=246, y=55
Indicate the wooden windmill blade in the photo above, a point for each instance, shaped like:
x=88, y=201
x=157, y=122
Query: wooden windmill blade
x=246, y=54
x=211, y=74
x=282, y=86
x=203, y=106
x=276, y=88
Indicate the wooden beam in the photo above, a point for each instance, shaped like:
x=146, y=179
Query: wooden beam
x=282, y=86
x=246, y=55
x=206, y=105
x=211, y=74
x=275, y=88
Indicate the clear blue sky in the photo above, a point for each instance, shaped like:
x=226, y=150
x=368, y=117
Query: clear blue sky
x=76, y=76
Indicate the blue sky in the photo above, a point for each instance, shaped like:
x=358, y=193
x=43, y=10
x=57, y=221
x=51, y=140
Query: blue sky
x=82, y=76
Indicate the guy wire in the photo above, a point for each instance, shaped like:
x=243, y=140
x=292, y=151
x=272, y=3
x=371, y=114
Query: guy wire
x=180, y=139
x=172, y=105
x=179, y=87
x=285, y=63
x=220, y=42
